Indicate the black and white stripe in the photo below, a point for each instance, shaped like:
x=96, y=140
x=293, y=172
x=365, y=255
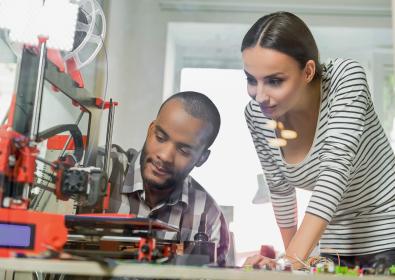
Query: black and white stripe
x=350, y=167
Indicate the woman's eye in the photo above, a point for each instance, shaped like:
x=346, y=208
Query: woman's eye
x=251, y=81
x=275, y=82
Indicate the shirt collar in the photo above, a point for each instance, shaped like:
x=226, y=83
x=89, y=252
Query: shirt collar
x=134, y=184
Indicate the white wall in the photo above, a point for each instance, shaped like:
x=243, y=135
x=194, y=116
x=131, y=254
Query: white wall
x=393, y=27
x=6, y=55
x=137, y=41
x=136, y=44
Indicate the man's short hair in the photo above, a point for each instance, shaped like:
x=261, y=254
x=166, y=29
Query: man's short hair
x=199, y=106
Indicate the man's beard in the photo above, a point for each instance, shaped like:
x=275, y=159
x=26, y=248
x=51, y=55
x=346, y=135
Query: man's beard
x=174, y=180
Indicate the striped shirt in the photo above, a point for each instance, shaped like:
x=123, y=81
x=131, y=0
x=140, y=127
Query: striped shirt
x=189, y=208
x=350, y=167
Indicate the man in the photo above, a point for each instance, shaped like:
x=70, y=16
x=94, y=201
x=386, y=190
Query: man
x=157, y=182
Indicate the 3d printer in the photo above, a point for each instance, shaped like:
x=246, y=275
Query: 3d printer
x=74, y=175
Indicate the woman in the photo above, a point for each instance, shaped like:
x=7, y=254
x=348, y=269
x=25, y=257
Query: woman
x=341, y=153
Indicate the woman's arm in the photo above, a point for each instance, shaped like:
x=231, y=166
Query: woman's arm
x=298, y=243
x=305, y=239
x=287, y=235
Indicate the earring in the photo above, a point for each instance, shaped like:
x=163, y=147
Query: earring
x=285, y=134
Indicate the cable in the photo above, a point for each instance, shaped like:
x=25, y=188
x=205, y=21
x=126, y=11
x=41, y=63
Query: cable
x=36, y=201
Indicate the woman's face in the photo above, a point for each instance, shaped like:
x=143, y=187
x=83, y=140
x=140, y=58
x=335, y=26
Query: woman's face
x=274, y=79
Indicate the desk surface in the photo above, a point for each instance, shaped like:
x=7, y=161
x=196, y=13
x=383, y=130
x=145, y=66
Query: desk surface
x=157, y=271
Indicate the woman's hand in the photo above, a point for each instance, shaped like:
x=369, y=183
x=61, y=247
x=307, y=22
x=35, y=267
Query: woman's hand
x=258, y=261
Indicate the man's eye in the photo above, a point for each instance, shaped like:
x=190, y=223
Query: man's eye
x=160, y=138
x=251, y=81
x=184, y=151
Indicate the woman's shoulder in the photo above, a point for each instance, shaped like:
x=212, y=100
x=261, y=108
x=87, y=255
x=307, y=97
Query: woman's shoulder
x=339, y=68
x=345, y=79
x=341, y=74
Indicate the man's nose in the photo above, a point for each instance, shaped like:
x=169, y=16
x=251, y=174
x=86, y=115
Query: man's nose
x=166, y=153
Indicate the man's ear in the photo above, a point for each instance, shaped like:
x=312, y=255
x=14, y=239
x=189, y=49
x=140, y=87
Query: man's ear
x=203, y=158
x=150, y=127
x=309, y=70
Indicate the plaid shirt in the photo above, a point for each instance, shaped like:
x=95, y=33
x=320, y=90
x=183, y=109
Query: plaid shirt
x=189, y=208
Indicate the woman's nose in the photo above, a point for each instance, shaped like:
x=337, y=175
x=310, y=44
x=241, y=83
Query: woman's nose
x=261, y=96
